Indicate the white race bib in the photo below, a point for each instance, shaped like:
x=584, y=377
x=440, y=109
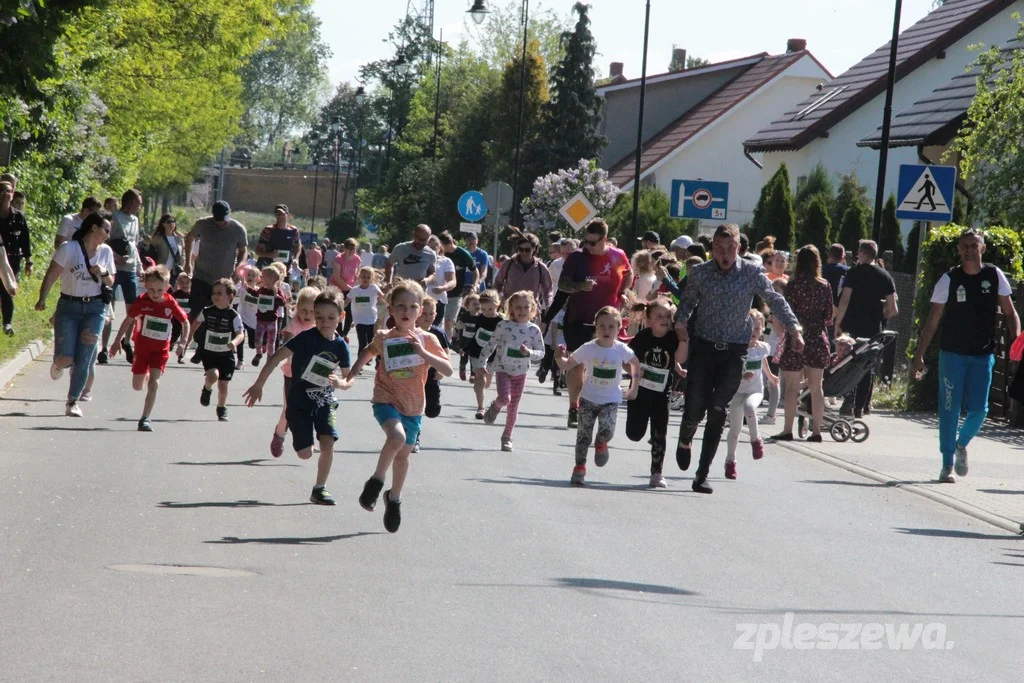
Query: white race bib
x=604, y=374
x=156, y=328
x=362, y=302
x=217, y=342
x=251, y=299
x=183, y=303
x=265, y=303
x=752, y=365
x=655, y=379
x=318, y=372
x=483, y=336
x=468, y=332
x=961, y=295
x=283, y=255
x=400, y=355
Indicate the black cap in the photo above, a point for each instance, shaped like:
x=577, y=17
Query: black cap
x=221, y=210
x=651, y=236
x=282, y=207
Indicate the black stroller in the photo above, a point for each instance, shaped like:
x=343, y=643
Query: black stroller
x=840, y=381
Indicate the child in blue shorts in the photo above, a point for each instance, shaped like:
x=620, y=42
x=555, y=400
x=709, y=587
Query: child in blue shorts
x=399, y=398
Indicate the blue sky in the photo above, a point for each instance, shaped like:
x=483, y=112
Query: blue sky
x=839, y=33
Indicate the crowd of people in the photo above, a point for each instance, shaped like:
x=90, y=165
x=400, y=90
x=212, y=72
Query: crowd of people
x=707, y=327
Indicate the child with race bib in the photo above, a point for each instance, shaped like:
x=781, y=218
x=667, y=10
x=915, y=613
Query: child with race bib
x=304, y=320
x=485, y=323
x=270, y=302
x=152, y=336
x=516, y=343
x=223, y=335
x=603, y=359
x=399, y=398
x=749, y=395
x=182, y=292
x=432, y=387
x=320, y=362
x=246, y=302
x=464, y=331
x=659, y=352
x=364, y=297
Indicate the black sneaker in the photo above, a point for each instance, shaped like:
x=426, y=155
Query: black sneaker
x=683, y=454
x=371, y=490
x=129, y=352
x=222, y=413
x=320, y=496
x=144, y=425
x=256, y=359
x=101, y=357
x=204, y=396
x=574, y=418
x=196, y=358
x=392, y=513
x=701, y=486
x=8, y=330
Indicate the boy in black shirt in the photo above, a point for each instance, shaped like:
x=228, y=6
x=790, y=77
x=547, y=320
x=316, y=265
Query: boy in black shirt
x=223, y=335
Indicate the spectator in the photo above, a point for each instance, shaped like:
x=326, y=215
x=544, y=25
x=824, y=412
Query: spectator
x=330, y=256
x=650, y=240
x=110, y=205
x=314, y=257
x=81, y=310
x=223, y=246
x=444, y=281
x=18, y=246
x=465, y=277
x=680, y=247
x=696, y=249
x=745, y=252
x=366, y=255
x=18, y=202
x=169, y=245
x=867, y=300
x=380, y=259
x=481, y=257
x=835, y=270
x=73, y=221
x=346, y=270
x=644, y=275
x=412, y=260
x=124, y=241
x=525, y=272
x=279, y=241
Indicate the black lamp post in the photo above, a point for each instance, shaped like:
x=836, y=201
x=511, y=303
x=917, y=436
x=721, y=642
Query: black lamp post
x=314, y=140
x=360, y=98
x=437, y=97
x=640, y=130
x=883, y=153
x=401, y=67
x=336, y=129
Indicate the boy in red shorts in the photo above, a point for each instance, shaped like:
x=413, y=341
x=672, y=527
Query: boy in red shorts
x=151, y=319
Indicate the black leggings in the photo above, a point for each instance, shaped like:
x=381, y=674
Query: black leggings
x=364, y=333
x=348, y=319
x=651, y=407
x=250, y=335
x=6, y=300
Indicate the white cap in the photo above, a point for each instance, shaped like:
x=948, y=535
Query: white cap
x=681, y=242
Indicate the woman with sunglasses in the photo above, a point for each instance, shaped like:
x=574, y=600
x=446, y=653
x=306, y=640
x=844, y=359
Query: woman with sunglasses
x=168, y=243
x=525, y=271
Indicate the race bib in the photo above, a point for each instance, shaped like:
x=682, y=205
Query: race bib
x=156, y=328
x=961, y=295
x=319, y=371
x=655, y=379
x=217, y=342
x=399, y=357
x=363, y=302
x=252, y=299
x=265, y=303
x=468, y=332
x=514, y=352
x=604, y=374
x=752, y=365
x=283, y=255
x=483, y=336
x=183, y=303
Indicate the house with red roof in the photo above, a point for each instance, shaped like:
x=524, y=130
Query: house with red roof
x=838, y=125
x=696, y=120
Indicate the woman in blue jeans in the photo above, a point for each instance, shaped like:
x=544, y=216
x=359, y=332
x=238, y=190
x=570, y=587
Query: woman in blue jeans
x=80, y=314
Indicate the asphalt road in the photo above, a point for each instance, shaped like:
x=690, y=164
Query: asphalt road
x=500, y=572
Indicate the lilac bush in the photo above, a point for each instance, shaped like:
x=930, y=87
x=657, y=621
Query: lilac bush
x=552, y=191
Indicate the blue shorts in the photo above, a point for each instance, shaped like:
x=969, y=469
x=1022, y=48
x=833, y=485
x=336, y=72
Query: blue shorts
x=303, y=422
x=385, y=412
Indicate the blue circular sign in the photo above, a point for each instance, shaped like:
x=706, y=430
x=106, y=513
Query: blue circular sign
x=472, y=206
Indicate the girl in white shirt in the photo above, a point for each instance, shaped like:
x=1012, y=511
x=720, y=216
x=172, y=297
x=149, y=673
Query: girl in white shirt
x=363, y=299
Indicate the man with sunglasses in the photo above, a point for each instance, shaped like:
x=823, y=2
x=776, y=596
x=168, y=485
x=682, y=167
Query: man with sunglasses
x=525, y=271
x=594, y=277
x=723, y=288
x=412, y=260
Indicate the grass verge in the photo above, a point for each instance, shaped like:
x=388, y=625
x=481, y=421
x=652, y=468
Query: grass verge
x=29, y=324
x=892, y=396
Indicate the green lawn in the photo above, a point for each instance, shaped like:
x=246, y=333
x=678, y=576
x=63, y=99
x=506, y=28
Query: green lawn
x=29, y=324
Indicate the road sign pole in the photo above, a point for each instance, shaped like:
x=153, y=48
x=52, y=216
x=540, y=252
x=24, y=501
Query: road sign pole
x=883, y=153
x=924, y=227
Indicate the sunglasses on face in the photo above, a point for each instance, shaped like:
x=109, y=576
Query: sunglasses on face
x=525, y=250
x=590, y=243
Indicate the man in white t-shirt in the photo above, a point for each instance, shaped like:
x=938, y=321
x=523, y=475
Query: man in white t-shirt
x=70, y=223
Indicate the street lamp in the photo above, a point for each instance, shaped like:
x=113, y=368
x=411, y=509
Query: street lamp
x=640, y=129
x=314, y=143
x=360, y=95
x=883, y=153
x=360, y=98
x=401, y=65
x=336, y=129
x=478, y=11
x=437, y=95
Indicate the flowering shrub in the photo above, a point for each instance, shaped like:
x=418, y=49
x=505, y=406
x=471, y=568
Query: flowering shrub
x=552, y=191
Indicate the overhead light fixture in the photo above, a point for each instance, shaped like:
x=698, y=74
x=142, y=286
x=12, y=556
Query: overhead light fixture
x=360, y=95
x=401, y=65
x=478, y=11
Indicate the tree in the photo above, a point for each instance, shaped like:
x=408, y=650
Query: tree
x=755, y=230
x=854, y=227
x=499, y=40
x=816, y=227
x=818, y=182
x=572, y=115
x=653, y=215
x=989, y=140
x=677, y=65
x=552, y=191
x=850, y=192
x=779, y=220
x=696, y=62
x=891, y=238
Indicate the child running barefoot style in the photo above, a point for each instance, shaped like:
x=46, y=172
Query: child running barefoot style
x=659, y=352
x=182, y=292
x=749, y=395
x=271, y=302
x=432, y=388
x=304, y=319
x=516, y=343
x=319, y=362
x=398, y=394
x=152, y=335
x=464, y=331
x=364, y=306
x=603, y=359
x=485, y=324
x=223, y=335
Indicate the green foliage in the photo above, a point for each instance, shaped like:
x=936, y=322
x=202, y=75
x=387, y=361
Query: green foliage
x=653, y=215
x=773, y=214
x=818, y=182
x=854, y=227
x=816, y=227
x=343, y=226
x=939, y=254
x=29, y=324
x=850, y=192
x=696, y=62
x=989, y=140
x=499, y=40
x=892, y=235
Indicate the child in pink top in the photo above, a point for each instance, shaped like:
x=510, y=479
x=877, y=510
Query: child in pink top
x=303, y=320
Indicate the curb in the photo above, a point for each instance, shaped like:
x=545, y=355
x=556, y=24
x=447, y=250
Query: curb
x=1004, y=523
x=14, y=367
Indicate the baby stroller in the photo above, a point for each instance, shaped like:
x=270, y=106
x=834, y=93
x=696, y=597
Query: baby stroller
x=841, y=380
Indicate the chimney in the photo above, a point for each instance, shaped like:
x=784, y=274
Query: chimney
x=796, y=45
x=679, y=57
x=615, y=70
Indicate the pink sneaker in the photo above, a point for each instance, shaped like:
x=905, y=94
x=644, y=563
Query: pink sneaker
x=600, y=454
x=730, y=470
x=758, y=448
x=277, y=445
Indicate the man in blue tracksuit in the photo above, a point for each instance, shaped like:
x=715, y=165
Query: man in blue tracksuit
x=965, y=301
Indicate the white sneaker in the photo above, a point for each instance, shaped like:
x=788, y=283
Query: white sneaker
x=85, y=397
x=658, y=482
x=56, y=372
x=767, y=420
x=72, y=410
x=960, y=466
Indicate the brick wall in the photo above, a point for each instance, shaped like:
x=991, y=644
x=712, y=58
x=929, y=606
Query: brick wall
x=259, y=189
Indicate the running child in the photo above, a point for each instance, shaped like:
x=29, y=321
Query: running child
x=270, y=302
x=247, y=302
x=398, y=394
x=774, y=344
x=603, y=359
x=152, y=335
x=320, y=361
x=749, y=395
x=465, y=330
x=304, y=320
x=364, y=298
x=516, y=343
x=224, y=334
x=432, y=388
x=659, y=353
x=182, y=292
x=486, y=322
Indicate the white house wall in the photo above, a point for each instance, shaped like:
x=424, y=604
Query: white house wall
x=839, y=151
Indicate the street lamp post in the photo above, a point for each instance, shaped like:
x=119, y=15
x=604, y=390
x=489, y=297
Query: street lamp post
x=336, y=129
x=314, y=140
x=437, y=97
x=401, y=67
x=360, y=98
x=640, y=129
x=883, y=153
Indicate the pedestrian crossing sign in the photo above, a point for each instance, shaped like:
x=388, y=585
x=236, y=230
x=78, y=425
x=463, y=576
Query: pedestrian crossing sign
x=926, y=193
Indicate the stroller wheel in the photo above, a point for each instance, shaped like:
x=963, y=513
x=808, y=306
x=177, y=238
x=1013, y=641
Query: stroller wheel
x=841, y=431
x=801, y=427
x=860, y=432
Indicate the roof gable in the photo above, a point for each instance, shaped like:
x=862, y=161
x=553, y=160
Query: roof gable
x=865, y=80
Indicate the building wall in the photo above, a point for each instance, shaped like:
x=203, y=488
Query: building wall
x=259, y=189
x=839, y=151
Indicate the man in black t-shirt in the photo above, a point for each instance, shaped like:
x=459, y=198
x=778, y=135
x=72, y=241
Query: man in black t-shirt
x=835, y=270
x=868, y=299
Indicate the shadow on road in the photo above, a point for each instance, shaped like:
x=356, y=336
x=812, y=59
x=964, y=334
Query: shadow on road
x=608, y=584
x=172, y=505
x=254, y=462
x=954, y=533
x=311, y=540
x=1001, y=491
x=564, y=484
x=65, y=429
